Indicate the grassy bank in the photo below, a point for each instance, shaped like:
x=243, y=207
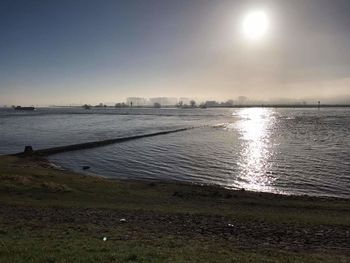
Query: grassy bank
x=50, y=215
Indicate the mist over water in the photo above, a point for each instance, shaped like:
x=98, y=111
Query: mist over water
x=291, y=151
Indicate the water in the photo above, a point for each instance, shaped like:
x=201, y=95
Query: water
x=291, y=151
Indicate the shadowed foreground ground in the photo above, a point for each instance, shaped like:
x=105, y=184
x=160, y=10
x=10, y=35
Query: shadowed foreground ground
x=47, y=215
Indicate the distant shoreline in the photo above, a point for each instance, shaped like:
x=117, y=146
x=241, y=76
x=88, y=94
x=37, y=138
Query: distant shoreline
x=208, y=107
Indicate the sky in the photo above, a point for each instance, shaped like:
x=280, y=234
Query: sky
x=84, y=51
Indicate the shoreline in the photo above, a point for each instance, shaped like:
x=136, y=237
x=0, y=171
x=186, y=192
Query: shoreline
x=42, y=206
x=261, y=105
x=184, y=183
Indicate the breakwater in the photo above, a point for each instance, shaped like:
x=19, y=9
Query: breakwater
x=94, y=144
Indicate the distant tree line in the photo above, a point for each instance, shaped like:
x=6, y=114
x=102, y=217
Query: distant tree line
x=135, y=102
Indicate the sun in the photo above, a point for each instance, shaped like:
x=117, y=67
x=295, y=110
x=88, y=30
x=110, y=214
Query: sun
x=255, y=25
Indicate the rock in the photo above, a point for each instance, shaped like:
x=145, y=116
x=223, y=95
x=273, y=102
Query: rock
x=28, y=150
x=85, y=167
x=123, y=220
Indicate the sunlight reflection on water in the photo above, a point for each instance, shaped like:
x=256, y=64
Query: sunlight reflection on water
x=255, y=126
x=292, y=151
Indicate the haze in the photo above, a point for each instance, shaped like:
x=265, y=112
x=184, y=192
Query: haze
x=64, y=52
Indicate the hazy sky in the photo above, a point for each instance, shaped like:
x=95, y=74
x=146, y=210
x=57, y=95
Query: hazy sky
x=62, y=52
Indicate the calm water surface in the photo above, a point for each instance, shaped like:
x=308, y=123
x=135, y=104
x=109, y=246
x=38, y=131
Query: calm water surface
x=292, y=151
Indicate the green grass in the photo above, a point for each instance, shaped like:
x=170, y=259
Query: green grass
x=63, y=244
x=31, y=183
x=88, y=249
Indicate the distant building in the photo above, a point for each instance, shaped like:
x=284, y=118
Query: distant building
x=212, y=103
x=242, y=100
x=164, y=101
x=228, y=103
x=137, y=102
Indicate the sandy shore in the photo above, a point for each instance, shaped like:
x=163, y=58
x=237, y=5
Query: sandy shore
x=52, y=215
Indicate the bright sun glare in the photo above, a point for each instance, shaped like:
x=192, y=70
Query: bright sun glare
x=255, y=25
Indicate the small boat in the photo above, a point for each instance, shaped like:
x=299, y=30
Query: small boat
x=24, y=108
